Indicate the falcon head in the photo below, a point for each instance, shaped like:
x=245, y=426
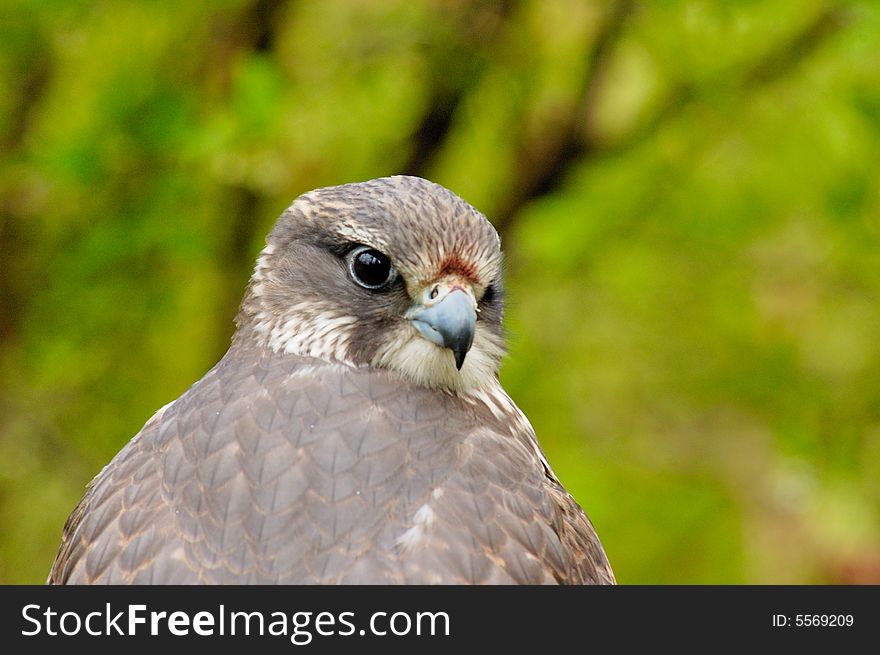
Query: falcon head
x=396, y=273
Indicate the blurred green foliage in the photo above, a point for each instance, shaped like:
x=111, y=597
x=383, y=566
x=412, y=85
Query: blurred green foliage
x=687, y=192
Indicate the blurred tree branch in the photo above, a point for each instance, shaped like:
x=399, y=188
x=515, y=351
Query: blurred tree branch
x=448, y=91
x=543, y=161
x=252, y=30
x=15, y=238
x=768, y=69
x=543, y=168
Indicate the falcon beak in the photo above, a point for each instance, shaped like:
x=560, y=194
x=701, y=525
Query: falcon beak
x=447, y=316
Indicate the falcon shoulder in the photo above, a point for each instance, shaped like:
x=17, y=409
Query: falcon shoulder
x=294, y=470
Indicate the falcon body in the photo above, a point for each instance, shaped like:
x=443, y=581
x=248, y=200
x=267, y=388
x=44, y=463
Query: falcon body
x=356, y=430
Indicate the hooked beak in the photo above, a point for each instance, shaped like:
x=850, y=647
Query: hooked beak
x=447, y=316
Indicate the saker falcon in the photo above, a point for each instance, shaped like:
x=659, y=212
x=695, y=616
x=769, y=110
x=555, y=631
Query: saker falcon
x=356, y=430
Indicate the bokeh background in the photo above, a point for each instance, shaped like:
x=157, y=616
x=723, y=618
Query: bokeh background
x=687, y=194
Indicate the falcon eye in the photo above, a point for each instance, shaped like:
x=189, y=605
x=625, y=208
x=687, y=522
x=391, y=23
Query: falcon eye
x=370, y=268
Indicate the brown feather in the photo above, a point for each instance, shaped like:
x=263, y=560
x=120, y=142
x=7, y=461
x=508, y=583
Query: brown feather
x=296, y=460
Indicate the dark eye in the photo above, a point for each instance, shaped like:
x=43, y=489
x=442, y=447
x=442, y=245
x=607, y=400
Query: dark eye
x=370, y=268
